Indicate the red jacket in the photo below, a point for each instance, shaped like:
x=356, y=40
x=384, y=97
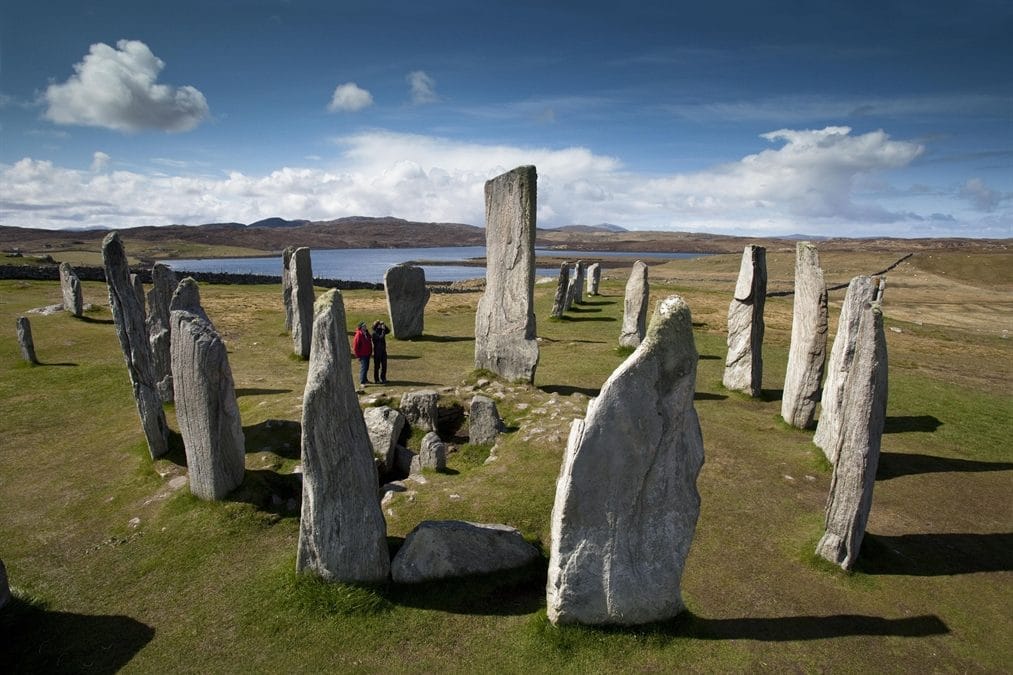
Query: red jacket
x=362, y=345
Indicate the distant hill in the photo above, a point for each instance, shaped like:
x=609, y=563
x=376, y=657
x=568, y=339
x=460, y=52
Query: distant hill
x=603, y=227
x=278, y=222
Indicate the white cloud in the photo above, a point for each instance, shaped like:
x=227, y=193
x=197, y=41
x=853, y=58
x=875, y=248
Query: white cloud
x=349, y=97
x=810, y=182
x=116, y=88
x=99, y=161
x=423, y=87
x=981, y=196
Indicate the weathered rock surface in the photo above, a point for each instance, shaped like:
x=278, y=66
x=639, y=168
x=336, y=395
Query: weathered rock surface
x=163, y=285
x=484, y=423
x=505, y=333
x=138, y=285
x=440, y=549
x=744, y=363
x=808, y=352
x=342, y=532
x=384, y=426
x=286, y=285
x=862, y=415
x=562, y=287
x=635, y=307
x=862, y=291
x=206, y=407
x=580, y=268
x=407, y=295
x=301, y=277
x=128, y=315
x=70, y=287
x=593, y=278
x=25, y=340
x=432, y=454
x=571, y=291
x=626, y=501
x=420, y=408
x=186, y=297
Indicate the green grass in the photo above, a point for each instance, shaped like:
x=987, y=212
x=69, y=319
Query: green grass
x=191, y=585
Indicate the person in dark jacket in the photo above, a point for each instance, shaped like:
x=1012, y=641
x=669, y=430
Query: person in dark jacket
x=379, y=336
x=362, y=347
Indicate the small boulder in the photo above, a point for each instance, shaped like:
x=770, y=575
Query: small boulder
x=484, y=423
x=419, y=408
x=384, y=425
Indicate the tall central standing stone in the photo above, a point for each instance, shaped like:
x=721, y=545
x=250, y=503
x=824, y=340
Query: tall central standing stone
x=635, y=307
x=301, y=277
x=407, y=295
x=163, y=285
x=808, y=351
x=505, y=336
x=862, y=415
x=626, y=500
x=206, y=407
x=342, y=532
x=744, y=363
x=128, y=315
x=861, y=292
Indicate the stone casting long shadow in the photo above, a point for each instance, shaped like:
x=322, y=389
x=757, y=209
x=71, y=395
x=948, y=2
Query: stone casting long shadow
x=929, y=555
x=255, y=391
x=899, y=424
x=799, y=628
x=88, y=319
x=896, y=464
x=42, y=641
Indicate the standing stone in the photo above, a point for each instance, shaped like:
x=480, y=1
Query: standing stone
x=635, y=307
x=440, y=549
x=571, y=291
x=384, y=426
x=420, y=409
x=407, y=295
x=484, y=423
x=432, y=453
x=578, y=290
x=626, y=500
x=593, y=278
x=342, y=533
x=187, y=297
x=862, y=291
x=562, y=287
x=128, y=315
x=301, y=276
x=808, y=352
x=744, y=363
x=70, y=286
x=286, y=285
x=505, y=335
x=862, y=415
x=25, y=341
x=163, y=285
x=206, y=407
x=138, y=285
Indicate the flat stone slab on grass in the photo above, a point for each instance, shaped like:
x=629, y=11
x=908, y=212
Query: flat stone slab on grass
x=440, y=549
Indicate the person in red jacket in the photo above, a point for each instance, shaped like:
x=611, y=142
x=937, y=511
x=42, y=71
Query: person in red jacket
x=362, y=347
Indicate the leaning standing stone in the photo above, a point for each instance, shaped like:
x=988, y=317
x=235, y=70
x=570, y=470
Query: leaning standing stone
x=301, y=274
x=25, y=340
x=744, y=363
x=407, y=295
x=862, y=415
x=206, y=407
x=505, y=335
x=626, y=500
x=562, y=287
x=635, y=307
x=484, y=423
x=163, y=285
x=286, y=285
x=342, y=533
x=420, y=409
x=593, y=278
x=128, y=315
x=861, y=292
x=808, y=351
x=70, y=286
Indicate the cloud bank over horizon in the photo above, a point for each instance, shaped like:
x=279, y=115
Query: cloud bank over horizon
x=826, y=181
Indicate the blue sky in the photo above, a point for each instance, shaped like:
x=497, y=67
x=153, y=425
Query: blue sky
x=825, y=118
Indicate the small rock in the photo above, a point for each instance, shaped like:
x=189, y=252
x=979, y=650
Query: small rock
x=895, y=329
x=134, y=522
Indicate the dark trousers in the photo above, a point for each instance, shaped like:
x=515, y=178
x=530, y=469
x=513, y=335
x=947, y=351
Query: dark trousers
x=379, y=367
x=363, y=368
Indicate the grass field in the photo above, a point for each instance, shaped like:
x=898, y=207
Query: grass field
x=112, y=567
